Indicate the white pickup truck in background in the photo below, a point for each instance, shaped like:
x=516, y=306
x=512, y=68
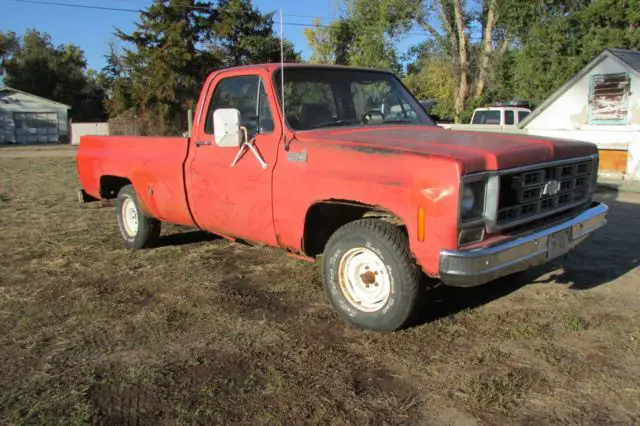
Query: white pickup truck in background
x=501, y=117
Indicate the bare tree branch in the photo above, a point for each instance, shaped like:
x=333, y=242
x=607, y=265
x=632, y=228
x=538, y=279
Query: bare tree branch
x=423, y=21
x=505, y=43
x=448, y=26
x=463, y=89
x=486, y=49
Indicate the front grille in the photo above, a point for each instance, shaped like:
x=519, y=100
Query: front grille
x=543, y=191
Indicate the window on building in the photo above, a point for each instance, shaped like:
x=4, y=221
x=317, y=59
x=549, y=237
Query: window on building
x=609, y=98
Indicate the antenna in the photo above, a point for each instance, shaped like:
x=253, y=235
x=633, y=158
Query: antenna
x=284, y=132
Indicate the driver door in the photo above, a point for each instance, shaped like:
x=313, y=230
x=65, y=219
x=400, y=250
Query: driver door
x=235, y=200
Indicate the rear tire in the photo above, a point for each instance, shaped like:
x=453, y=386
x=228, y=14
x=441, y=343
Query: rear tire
x=136, y=229
x=369, y=275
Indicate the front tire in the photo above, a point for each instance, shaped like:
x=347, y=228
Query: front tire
x=136, y=229
x=369, y=275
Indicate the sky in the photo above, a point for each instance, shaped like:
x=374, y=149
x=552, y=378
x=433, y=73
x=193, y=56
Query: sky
x=92, y=29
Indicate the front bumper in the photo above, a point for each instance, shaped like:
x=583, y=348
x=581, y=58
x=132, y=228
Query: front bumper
x=468, y=268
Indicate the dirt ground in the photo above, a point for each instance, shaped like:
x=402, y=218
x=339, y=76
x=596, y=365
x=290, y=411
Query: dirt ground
x=201, y=330
x=22, y=151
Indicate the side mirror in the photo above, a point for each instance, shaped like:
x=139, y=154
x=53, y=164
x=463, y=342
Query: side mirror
x=226, y=127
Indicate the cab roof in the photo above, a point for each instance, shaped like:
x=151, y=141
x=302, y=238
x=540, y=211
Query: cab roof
x=290, y=65
x=497, y=108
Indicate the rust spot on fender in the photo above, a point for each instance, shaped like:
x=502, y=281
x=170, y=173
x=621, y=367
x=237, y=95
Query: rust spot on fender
x=369, y=150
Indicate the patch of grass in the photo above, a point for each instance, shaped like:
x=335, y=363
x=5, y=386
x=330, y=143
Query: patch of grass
x=501, y=391
x=623, y=338
x=574, y=323
x=138, y=374
x=520, y=324
x=529, y=330
x=489, y=355
x=81, y=415
x=552, y=353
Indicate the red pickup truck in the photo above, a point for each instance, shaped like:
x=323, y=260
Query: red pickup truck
x=356, y=171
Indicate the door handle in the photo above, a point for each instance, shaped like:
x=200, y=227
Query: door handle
x=203, y=143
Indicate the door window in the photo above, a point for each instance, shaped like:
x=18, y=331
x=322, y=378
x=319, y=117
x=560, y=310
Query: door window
x=246, y=94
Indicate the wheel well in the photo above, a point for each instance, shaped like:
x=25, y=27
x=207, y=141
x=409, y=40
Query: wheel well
x=324, y=218
x=111, y=185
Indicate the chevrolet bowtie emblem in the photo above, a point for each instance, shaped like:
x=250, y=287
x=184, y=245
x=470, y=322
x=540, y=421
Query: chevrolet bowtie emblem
x=551, y=188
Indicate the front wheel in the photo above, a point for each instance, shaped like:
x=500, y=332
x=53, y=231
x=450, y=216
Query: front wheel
x=369, y=275
x=136, y=229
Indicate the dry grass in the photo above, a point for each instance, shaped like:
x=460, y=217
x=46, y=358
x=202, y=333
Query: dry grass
x=201, y=330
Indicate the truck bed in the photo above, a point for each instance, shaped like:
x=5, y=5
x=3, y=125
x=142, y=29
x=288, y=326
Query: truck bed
x=154, y=165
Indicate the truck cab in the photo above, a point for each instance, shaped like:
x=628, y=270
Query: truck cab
x=499, y=115
x=344, y=165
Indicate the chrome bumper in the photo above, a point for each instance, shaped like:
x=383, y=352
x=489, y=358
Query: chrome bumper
x=468, y=268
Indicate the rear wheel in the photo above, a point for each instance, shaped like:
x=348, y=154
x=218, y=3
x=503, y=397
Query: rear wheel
x=369, y=275
x=136, y=229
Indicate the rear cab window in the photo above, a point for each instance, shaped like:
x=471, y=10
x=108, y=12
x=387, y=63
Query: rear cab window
x=486, y=117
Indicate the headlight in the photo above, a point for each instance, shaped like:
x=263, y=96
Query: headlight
x=472, y=200
x=467, y=201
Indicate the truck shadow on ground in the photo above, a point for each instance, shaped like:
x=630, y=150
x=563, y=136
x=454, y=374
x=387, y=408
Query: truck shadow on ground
x=187, y=237
x=607, y=255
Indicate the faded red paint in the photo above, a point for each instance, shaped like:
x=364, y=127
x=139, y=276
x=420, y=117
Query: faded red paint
x=398, y=168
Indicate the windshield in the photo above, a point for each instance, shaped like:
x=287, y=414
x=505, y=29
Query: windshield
x=320, y=98
x=486, y=117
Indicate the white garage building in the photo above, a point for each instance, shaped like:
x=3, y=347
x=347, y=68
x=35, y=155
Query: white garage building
x=600, y=104
x=30, y=119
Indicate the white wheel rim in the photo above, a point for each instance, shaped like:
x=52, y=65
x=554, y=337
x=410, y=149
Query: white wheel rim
x=364, y=279
x=130, y=216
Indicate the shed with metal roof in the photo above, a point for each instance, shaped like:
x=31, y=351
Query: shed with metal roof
x=29, y=119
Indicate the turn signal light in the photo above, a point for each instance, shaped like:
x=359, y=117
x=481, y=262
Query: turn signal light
x=420, y=224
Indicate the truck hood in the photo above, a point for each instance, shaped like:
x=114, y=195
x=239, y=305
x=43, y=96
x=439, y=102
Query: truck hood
x=475, y=151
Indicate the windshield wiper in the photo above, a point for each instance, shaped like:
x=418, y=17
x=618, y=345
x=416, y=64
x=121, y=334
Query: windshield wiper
x=337, y=123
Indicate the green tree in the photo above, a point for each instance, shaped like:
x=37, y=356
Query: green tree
x=472, y=35
x=467, y=37
x=176, y=44
x=367, y=34
x=333, y=43
x=242, y=35
x=116, y=80
x=9, y=44
x=34, y=65
x=568, y=35
x=165, y=65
